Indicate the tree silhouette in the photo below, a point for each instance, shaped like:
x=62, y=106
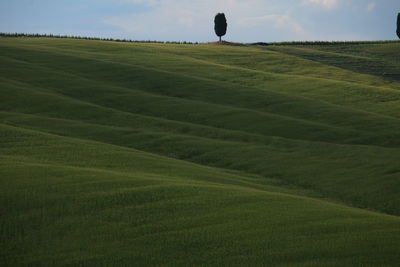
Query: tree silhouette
x=220, y=25
x=398, y=25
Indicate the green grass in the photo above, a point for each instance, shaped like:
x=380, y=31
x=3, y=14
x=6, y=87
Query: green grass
x=122, y=154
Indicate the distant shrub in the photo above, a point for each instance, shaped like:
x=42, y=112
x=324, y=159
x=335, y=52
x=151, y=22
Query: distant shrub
x=398, y=25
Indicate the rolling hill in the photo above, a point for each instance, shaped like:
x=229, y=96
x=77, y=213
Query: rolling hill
x=135, y=154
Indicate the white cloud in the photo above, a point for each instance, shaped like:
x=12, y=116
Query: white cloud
x=276, y=20
x=150, y=3
x=184, y=20
x=248, y=20
x=193, y=20
x=371, y=6
x=325, y=3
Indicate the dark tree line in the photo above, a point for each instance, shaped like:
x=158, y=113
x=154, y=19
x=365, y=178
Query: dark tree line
x=40, y=35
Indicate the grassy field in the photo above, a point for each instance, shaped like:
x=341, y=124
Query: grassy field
x=136, y=154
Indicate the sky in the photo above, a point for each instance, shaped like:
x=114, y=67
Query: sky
x=193, y=20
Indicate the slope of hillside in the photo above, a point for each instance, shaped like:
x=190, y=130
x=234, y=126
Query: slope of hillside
x=149, y=154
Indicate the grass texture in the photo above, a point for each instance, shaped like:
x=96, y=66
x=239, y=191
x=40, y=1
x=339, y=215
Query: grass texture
x=146, y=154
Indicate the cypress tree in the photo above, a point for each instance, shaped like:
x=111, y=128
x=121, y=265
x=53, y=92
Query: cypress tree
x=220, y=25
x=398, y=25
